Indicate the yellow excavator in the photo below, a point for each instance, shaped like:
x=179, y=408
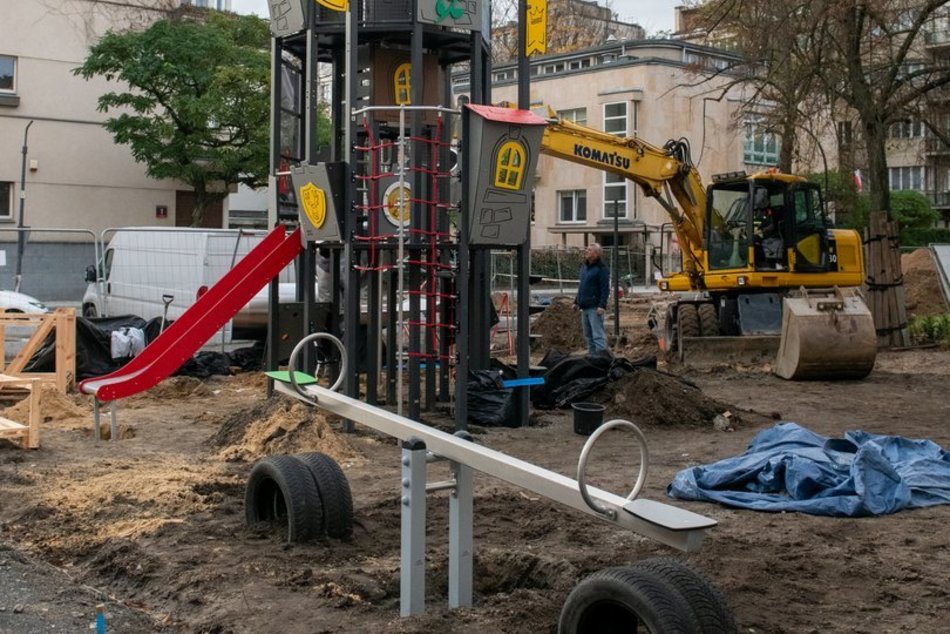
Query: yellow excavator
x=760, y=262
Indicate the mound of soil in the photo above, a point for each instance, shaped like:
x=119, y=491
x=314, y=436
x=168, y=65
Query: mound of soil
x=280, y=426
x=170, y=390
x=650, y=398
x=923, y=295
x=54, y=406
x=560, y=327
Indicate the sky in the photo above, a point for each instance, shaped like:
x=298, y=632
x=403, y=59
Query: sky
x=653, y=15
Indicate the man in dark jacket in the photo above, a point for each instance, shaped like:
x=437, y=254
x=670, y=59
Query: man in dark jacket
x=592, y=297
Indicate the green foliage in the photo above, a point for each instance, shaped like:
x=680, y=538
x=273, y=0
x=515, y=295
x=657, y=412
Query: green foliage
x=930, y=329
x=194, y=100
x=852, y=209
x=912, y=210
x=913, y=237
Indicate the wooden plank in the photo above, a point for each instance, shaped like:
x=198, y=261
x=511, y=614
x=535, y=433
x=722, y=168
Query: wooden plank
x=32, y=440
x=65, y=349
x=64, y=322
x=35, y=341
x=6, y=423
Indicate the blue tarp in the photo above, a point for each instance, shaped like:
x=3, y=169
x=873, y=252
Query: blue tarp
x=790, y=468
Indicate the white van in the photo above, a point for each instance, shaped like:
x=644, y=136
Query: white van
x=142, y=268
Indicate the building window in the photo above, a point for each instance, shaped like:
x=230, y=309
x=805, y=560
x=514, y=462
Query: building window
x=7, y=73
x=844, y=134
x=6, y=200
x=509, y=165
x=402, y=88
x=615, y=118
x=907, y=129
x=578, y=64
x=903, y=178
x=615, y=195
x=761, y=146
x=574, y=115
x=572, y=206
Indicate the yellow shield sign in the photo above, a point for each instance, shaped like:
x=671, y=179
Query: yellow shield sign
x=333, y=5
x=314, y=203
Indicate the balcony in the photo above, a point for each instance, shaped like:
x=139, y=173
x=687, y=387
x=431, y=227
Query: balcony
x=940, y=200
x=936, y=147
x=937, y=38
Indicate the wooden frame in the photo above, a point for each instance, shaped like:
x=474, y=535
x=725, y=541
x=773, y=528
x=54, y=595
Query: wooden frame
x=29, y=434
x=64, y=322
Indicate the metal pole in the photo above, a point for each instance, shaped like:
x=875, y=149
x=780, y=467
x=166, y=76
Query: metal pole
x=21, y=235
x=524, y=251
x=615, y=264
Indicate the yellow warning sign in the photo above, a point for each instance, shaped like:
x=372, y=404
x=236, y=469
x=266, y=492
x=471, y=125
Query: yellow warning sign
x=314, y=203
x=333, y=5
x=537, y=28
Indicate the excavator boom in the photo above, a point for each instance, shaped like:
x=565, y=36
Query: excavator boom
x=749, y=243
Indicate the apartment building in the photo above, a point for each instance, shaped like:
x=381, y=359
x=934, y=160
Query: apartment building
x=76, y=176
x=652, y=89
x=918, y=158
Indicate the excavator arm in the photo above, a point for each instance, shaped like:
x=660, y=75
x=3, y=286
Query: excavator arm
x=662, y=173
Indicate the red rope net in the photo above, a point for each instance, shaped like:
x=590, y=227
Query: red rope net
x=381, y=209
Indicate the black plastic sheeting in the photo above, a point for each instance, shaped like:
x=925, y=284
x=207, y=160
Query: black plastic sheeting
x=569, y=379
x=489, y=402
x=94, y=350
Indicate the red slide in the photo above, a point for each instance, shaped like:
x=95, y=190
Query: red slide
x=205, y=317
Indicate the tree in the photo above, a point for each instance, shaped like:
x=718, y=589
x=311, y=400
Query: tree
x=196, y=101
x=779, y=48
x=912, y=210
x=878, y=68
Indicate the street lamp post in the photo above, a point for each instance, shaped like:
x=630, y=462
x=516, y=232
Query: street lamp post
x=21, y=235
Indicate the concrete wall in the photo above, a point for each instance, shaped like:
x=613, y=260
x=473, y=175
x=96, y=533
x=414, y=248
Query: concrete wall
x=83, y=179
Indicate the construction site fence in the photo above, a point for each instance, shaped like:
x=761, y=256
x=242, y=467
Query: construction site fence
x=51, y=262
x=559, y=267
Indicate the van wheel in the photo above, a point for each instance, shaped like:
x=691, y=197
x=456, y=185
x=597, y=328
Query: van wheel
x=89, y=311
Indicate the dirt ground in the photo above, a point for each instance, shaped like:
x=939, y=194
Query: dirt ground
x=155, y=522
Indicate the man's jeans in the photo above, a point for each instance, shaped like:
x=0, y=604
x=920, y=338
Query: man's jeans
x=593, y=330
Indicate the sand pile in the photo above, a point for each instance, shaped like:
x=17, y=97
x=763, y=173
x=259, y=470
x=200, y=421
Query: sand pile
x=647, y=397
x=559, y=326
x=54, y=406
x=921, y=283
x=280, y=426
x=170, y=390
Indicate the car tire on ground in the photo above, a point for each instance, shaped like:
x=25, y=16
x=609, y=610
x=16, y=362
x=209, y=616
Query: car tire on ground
x=281, y=491
x=89, y=311
x=707, y=603
x=616, y=600
x=708, y=320
x=334, y=493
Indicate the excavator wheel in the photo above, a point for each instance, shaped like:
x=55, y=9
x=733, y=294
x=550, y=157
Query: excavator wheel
x=688, y=321
x=708, y=320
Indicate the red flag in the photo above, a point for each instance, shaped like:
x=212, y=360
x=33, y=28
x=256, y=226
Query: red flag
x=857, y=181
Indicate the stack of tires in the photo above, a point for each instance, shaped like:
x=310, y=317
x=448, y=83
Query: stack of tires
x=307, y=495
x=662, y=595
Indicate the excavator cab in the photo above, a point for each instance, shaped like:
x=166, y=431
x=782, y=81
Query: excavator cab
x=768, y=224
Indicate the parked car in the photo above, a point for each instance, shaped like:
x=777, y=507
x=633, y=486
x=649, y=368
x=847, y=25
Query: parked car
x=13, y=302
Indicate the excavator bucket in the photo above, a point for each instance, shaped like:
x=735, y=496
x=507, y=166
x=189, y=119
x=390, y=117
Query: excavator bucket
x=826, y=335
